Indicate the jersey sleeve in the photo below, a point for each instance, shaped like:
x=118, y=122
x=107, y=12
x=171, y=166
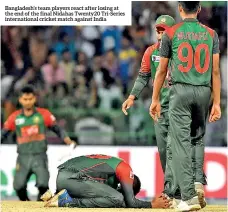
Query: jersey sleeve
x=145, y=63
x=10, y=122
x=126, y=178
x=215, y=44
x=165, y=46
x=49, y=118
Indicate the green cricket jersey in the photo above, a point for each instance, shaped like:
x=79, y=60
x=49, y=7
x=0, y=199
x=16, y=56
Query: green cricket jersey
x=149, y=66
x=30, y=130
x=105, y=169
x=100, y=167
x=190, y=46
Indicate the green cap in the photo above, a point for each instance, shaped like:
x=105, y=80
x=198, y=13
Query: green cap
x=165, y=21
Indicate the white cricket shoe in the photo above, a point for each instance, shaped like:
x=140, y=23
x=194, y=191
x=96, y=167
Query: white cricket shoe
x=189, y=205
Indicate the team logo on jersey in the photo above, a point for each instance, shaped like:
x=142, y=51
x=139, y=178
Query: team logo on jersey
x=155, y=58
x=20, y=121
x=36, y=119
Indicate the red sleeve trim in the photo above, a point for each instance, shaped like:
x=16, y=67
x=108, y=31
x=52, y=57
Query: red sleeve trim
x=171, y=31
x=10, y=122
x=124, y=173
x=49, y=119
x=210, y=31
x=145, y=64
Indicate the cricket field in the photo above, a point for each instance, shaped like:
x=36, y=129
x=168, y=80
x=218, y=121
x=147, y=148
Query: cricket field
x=17, y=206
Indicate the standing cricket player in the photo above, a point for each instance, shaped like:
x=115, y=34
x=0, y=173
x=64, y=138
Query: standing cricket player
x=30, y=124
x=193, y=51
x=149, y=66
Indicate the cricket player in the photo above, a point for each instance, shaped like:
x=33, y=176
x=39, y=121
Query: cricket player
x=149, y=66
x=91, y=181
x=192, y=49
x=30, y=124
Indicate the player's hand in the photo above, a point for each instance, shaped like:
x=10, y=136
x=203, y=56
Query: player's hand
x=127, y=104
x=215, y=114
x=155, y=110
x=70, y=142
x=160, y=202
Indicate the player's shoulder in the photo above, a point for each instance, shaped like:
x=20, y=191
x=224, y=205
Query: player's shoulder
x=43, y=111
x=209, y=30
x=171, y=30
x=15, y=114
x=152, y=48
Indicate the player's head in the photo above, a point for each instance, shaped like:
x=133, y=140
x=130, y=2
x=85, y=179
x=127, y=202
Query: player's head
x=27, y=97
x=162, y=23
x=66, y=55
x=189, y=8
x=136, y=185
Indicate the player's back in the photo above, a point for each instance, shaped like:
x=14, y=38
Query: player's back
x=192, y=50
x=99, y=167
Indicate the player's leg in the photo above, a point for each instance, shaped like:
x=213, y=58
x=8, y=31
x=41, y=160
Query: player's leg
x=161, y=131
x=164, y=149
x=200, y=112
x=171, y=187
x=87, y=193
x=21, y=177
x=40, y=169
x=180, y=134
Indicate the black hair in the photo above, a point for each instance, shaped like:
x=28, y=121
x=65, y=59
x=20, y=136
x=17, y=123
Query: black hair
x=65, y=50
x=50, y=52
x=62, y=35
x=190, y=6
x=136, y=185
x=28, y=89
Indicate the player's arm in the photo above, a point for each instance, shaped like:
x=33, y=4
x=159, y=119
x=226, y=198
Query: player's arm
x=165, y=53
x=140, y=82
x=216, y=81
x=4, y=134
x=144, y=74
x=8, y=127
x=125, y=176
x=50, y=123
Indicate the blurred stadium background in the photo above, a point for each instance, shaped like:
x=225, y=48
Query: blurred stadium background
x=83, y=74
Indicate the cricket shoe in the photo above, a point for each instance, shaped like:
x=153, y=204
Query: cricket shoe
x=189, y=205
x=62, y=199
x=200, y=192
x=46, y=196
x=175, y=203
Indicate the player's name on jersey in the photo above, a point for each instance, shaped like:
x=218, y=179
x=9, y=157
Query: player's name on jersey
x=192, y=35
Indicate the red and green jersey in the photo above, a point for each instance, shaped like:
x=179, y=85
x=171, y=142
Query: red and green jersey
x=149, y=65
x=30, y=130
x=190, y=46
x=106, y=169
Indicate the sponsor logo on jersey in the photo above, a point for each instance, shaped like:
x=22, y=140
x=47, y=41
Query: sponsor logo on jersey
x=29, y=130
x=20, y=121
x=36, y=119
x=155, y=58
